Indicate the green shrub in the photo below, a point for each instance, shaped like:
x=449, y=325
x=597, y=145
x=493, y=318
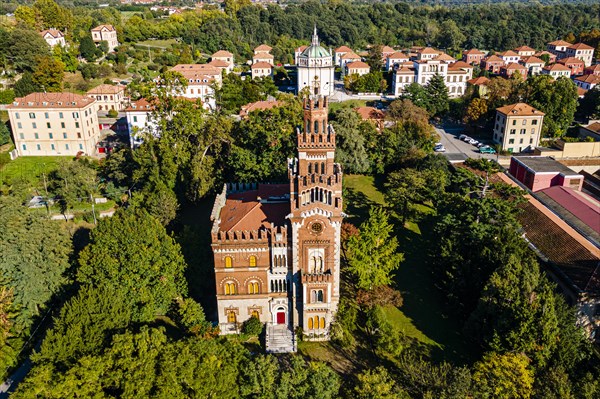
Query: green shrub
x=252, y=326
x=113, y=113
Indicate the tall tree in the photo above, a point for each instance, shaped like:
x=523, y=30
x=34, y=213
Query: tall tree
x=351, y=142
x=49, y=73
x=437, y=94
x=372, y=254
x=26, y=85
x=503, y=376
x=377, y=384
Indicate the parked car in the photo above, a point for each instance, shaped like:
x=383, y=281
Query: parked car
x=37, y=202
x=473, y=142
x=439, y=148
x=467, y=139
x=480, y=145
x=486, y=149
x=462, y=136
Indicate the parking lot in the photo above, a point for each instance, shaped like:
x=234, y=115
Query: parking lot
x=454, y=146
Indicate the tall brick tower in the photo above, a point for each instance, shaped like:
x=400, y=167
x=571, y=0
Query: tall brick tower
x=316, y=218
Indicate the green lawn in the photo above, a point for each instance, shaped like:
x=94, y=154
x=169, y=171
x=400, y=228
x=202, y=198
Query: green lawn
x=333, y=107
x=30, y=170
x=360, y=194
x=162, y=44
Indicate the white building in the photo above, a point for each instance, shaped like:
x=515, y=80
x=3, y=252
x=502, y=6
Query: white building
x=455, y=74
x=108, y=97
x=533, y=64
x=53, y=37
x=315, y=69
x=556, y=71
x=582, y=51
x=587, y=82
x=223, y=59
x=139, y=121
x=509, y=57
x=395, y=59
x=357, y=68
x=200, y=78
x=340, y=52
x=261, y=69
x=106, y=33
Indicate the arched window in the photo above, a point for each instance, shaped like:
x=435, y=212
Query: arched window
x=317, y=296
x=316, y=127
x=310, y=323
x=272, y=286
x=253, y=288
x=307, y=126
x=324, y=127
x=322, y=322
x=316, y=321
x=228, y=261
x=322, y=168
x=230, y=289
x=252, y=261
x=231, y=318
x=309, y=168
x=255, y=314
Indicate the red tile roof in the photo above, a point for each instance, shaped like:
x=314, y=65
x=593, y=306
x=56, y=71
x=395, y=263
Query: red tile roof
x=51, y=100
x=350, y=56
x=580, y=46
x=508, y=53
x=367, y=113
x=570, y=60
x=556, y=67
x=398, y=55
x=474, y=51
x=342, y=49
x=519, y=109
x=524, y=48
x=140, y=105
x=244, y=211
x=480, y=81
x=222, y=53
x=219, y=63
x=53, y=32
x=261, y=64
x=357, y=65
x=263, y=47
x=106, y=89
x=532, y=60
x=592, y=79
x=514, y=65
x=428, y=50
x=263, y=56
x=387, y=49
x=259, y=106
x=493, y=58
x=560, y=43
x=102, y=27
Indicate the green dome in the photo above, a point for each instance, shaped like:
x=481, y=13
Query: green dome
x=315, y=52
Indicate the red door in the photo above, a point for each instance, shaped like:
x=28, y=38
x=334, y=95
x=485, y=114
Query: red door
x=280, y=317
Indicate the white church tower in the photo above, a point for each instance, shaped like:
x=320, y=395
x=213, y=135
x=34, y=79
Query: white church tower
x=315, y=69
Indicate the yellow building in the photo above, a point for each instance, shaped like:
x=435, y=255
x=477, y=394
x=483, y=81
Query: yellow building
x=54, y=124
x=518, y=127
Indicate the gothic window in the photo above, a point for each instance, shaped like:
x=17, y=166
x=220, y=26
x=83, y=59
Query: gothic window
x=322, y=323
x=255, y=314
x=252, y=261
x=228, y=261
x=230, y=288
x=307, y=126
x=309, y=168
x=310, y=323
x=317, y=296
x=316, y=127
x=231, y=318
x=324, y=127
x=322, y=168
x=316, y=322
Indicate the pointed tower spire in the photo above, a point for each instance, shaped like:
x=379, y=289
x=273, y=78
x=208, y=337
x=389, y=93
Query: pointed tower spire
x=315, y=38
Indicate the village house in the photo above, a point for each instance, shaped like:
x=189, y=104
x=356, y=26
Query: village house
x=556, y=71
x=54, y=124
x=53, y=37
x=508, y=70
x=200, y=78
x=357, y=68
x=518, y=127
x=480, y=85
x=139, y=121
x=106, y=33
x=261, y=69
x=348, y=58
x=263, y=48
x=542, y=54
x=263, y=57
x=574, y=64
x=108, y=97
x=509, y=57
x=533, y=64
x=558, y=48
x=582, y=51
x=276, y=247
x=223, y=59
x=592, y=70
x=587, y=82
x=525, y=51
x=394, y=59
x=339, y=53
x=473, y=56
x=492, y=64
x=386, y=51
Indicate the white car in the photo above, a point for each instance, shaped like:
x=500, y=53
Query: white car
x=473, y=142
x=439, y=148
x=466, y=139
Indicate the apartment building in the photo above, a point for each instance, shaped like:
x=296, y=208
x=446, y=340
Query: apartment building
x=473, y=56
x=357, y=68
x=106, y=33
x=54, y=124
x=533, y=65
x=200, y=78
x=518, y=127
x=582, y=51
x=556, y=71
x=395, y=59
x=223, y=59
x=421, y=71
x=261, y=69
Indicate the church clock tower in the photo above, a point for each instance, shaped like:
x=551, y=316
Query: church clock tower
x=316, y=218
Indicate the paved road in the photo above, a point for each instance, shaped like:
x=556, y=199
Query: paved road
x=456, y=147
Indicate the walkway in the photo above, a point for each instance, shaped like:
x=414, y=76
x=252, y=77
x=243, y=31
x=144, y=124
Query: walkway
x=280, y=339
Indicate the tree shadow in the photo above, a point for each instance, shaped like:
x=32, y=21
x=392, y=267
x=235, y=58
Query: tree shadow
x=423, y=302
x=357, y=206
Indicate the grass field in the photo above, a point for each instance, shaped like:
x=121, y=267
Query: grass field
x=333, y=107
x=30, y=170
x=162, y=44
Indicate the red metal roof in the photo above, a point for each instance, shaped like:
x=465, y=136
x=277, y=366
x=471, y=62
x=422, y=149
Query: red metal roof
x=582, y=206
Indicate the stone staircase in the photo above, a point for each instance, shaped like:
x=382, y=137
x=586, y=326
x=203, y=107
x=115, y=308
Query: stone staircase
x=279, y=339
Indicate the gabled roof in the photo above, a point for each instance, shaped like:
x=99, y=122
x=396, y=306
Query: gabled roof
x=218, y=63
x=519, y=109
x=493, y=58
x=473, y=51
x=351, y=56
x=55, y=33
x=387, y=49
x=560, y=43
x=189, y=69
x=261, y=65
x=428, y=50
x=357, y=65
x=444, y=57
x=106, y=89
x=593, y=68
x=222, y=53
x=540, y=53
x=398, y=55
x=556, y=67
x=103, y=28
x=480, y=81
x=343, y=49
x=508, y=53
x=524, y=48
x=592, y=79
x=263, y=56
x=514, y=65
x=141, y=105
x=570, y=60
x=594, y=127
x=263, y=47
x=532, y=60
x=461, y=64
x=580, y=46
